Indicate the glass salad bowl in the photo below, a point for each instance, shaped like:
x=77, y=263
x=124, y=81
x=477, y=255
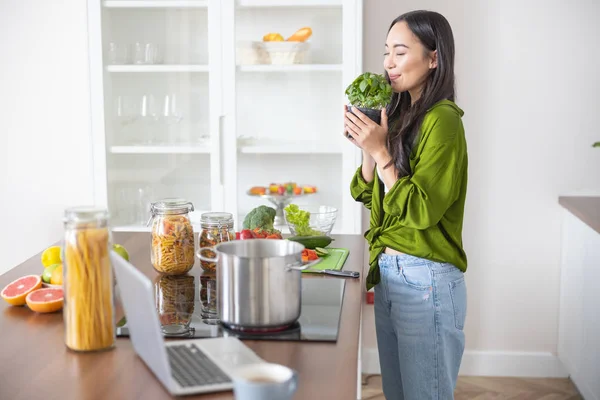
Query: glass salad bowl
x=321, y=220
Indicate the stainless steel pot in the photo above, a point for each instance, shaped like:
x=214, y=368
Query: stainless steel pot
x=259, y=282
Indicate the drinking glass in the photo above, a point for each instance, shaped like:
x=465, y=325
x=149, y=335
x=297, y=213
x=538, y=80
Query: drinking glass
x=118, y=53
x=149, y=117
x=171, y=111
x=125, y=110
x=145, y=53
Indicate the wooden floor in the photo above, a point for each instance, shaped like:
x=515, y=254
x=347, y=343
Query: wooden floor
x=482, y=388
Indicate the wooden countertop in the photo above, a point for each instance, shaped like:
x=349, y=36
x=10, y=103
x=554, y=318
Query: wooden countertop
x=37, y=364
x=586, y=208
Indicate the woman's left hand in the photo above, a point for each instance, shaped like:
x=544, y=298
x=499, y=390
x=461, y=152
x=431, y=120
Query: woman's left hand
x=367, y=134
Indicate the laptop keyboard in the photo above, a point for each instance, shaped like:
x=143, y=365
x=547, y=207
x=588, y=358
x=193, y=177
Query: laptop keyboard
x=191, y=367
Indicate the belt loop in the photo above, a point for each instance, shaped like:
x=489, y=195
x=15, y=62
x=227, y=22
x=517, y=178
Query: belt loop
x=398, y=264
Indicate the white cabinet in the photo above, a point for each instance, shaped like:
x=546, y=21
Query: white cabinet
x=185, y=106
x=579, y=326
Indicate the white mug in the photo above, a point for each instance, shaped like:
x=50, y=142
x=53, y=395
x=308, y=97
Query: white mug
x=264, y=381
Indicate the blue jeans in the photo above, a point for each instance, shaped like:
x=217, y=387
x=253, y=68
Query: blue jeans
x=420, y=309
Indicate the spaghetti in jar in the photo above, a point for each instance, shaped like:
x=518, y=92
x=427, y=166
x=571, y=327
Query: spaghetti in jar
x=173, y=248
x=89, y=313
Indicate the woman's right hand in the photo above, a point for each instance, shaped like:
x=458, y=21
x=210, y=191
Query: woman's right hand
x=368, y=163
x=346, y=134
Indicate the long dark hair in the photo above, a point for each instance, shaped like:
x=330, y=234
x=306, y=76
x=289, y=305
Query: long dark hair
x=435, y=33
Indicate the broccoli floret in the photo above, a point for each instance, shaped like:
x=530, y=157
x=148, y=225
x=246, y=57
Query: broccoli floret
x=262, y=217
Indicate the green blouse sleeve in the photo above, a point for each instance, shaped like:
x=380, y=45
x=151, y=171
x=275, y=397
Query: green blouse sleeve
x=420, y=200
x=360, y=189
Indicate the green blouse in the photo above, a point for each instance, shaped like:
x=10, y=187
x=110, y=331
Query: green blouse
x=422, y=214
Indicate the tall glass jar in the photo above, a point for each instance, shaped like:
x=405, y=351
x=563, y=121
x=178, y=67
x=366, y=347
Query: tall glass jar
x=216, y=227
x=89, y=310
x=172, y=237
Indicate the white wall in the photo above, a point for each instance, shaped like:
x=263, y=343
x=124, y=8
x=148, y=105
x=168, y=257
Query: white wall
x=528, y=81
x=45, y=150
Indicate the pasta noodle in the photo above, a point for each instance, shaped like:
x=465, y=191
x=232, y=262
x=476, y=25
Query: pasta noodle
x=175, y=299
x=88, y=284
x=210, y=237
x=172, y=244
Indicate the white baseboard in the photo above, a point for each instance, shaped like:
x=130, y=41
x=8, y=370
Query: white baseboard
x=491, y=363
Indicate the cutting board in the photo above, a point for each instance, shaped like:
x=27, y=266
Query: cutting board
x=335, y=260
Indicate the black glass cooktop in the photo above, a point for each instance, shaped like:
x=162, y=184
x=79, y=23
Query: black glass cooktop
x=185, y=312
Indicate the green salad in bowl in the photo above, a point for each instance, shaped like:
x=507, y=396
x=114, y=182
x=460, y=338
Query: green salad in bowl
x=310, y=220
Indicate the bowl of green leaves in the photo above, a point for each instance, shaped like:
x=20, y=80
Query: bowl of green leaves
x=370, y=93
x=310, y=220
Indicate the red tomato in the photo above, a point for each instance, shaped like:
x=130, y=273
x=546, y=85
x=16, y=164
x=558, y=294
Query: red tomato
x=309, y=255
x=246, y=234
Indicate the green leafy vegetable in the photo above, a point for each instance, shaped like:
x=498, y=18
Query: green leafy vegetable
x=300, y=219
x=369, y=90
x=597, y=144
x=261, y=217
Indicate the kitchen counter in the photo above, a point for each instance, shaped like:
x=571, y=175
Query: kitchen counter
x=37, y=364
x=586, y=208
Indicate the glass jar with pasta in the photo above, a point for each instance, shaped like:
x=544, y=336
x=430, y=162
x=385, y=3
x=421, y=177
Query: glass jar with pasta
x=89, y=313
x=216, y=227
x=172, y=250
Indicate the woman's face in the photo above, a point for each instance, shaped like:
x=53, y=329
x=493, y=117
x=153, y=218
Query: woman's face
x=406, y=60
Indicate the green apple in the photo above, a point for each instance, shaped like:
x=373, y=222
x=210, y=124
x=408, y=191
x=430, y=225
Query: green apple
x=120, y=250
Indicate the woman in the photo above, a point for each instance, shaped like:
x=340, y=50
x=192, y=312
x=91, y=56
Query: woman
x=413, y=179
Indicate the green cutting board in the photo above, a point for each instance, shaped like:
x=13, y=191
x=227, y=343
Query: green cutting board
x=335, y=260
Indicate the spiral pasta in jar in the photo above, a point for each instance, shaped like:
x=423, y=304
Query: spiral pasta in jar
x=216, y=227
x=172, y=237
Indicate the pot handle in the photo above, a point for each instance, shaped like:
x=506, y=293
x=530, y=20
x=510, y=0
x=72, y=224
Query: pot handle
x=302, y=267
x=204, y=258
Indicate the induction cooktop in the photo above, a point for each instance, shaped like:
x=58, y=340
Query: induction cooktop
x=186, y=306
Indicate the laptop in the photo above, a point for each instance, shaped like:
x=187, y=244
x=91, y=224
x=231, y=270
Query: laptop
x=188, y=366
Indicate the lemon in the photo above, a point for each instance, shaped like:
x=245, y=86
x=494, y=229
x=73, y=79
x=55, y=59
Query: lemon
x=51, y=256
x=120, y=250
x=273, y=37
x=47, y=275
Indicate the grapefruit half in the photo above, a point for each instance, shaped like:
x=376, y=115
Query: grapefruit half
x=15, y=293
x=45, y=300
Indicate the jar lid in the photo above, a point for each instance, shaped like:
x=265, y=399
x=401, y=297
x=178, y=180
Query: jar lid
x=171, y=206
x=86, y=214
x=217, y=219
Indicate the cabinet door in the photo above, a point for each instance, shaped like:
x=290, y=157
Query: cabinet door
x=287, y=98
x=160, y=83
x=579, y=327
